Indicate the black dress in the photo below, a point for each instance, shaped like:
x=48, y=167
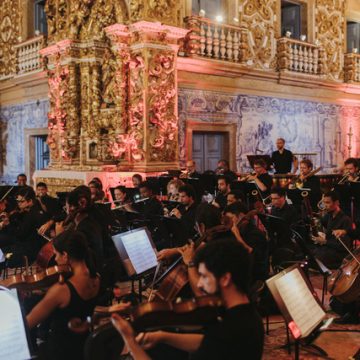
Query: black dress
x=62, y=343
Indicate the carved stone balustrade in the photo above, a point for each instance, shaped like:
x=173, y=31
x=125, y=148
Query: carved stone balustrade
x=300, y=56
x=28, y=55
x=213, y=40
x=352, y=67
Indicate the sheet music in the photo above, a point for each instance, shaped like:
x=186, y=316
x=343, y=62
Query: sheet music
x=140, y=251
x=13, y=341
x=299, y=301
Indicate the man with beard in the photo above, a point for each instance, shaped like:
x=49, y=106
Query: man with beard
x=186, y=211
x=283, y=159
x=331, y=252
x=223, y=268
x=224, y=189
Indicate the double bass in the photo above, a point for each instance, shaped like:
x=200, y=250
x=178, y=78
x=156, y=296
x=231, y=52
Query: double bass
x=344, y=283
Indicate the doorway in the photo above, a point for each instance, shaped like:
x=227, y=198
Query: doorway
x=208, y=148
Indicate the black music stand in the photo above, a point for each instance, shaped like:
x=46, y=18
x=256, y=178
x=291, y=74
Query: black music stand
x=266, y=158
x=312, y=259
x=208, y=183
x=299, y=305
x=355, y=200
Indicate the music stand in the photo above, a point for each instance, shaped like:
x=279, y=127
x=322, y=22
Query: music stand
x=137, y=253
x=299, y=305
x=266, y=158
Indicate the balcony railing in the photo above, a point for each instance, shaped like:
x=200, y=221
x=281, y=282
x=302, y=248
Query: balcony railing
x=28, y=56
x=352, y=67
x=300, y=56
x=214, y=40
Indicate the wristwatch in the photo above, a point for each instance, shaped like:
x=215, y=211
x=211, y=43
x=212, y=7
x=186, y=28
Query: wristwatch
x=191, y=264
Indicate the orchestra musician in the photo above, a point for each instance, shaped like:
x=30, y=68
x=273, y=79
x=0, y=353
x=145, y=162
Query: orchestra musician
x=21, y=180
x=173, y=187
x=223, y=168
x=152, y=206
x=350, y=310
x=136, y=180
x=261, y=178
x=96, y=190
x=75, y=298
x=223, y=268
x=234, y=196
x=50, y=206
x=255, y=240
x=351, y=169
x=223, y=185
x=187, y=210
x=121, y=195
x=83, y=217
x=282, y=159
x=332, y=253
x=281, y=208
x=18, y=233
x=311, y=182
x=287, y=213
x=190, y=171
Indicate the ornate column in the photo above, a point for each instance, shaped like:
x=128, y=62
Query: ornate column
x=150, y=142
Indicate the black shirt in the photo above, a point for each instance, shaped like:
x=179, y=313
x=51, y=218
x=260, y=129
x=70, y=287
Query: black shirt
x=62, y=343
x=282, y=162
x=240, y=335
x=188, y=220
x=288, y=213
x=221, y=199
x=150, y=208
x=313, y=183
x=330, y=223
x=266, y=179
x=257, y=240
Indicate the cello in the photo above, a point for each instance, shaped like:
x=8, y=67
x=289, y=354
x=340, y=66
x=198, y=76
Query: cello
x=345, y=282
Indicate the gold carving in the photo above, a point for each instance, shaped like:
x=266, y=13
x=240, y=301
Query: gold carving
x=258, y=34
x=9, y=33
x=60, y=184
x=162, y=97
x=330, y=21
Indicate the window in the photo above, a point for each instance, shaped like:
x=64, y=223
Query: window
x=42, y=155
x=40, y=22
x=353, y=35
x=212, y=8
x=293, y=18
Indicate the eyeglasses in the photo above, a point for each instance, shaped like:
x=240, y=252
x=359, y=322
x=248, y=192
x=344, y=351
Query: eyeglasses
x=20, y=200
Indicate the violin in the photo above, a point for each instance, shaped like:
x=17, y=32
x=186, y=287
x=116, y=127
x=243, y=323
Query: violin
x=106, y=342
x=40, y=280
x=155, y=315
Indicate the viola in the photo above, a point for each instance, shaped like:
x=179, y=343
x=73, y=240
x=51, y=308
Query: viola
x=344, y=283
x=40, y=280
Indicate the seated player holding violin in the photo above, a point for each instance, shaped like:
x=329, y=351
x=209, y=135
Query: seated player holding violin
x=210, y=228
x=224, y=269
x=255, y=240
x=64, y=301
x=18, y=234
